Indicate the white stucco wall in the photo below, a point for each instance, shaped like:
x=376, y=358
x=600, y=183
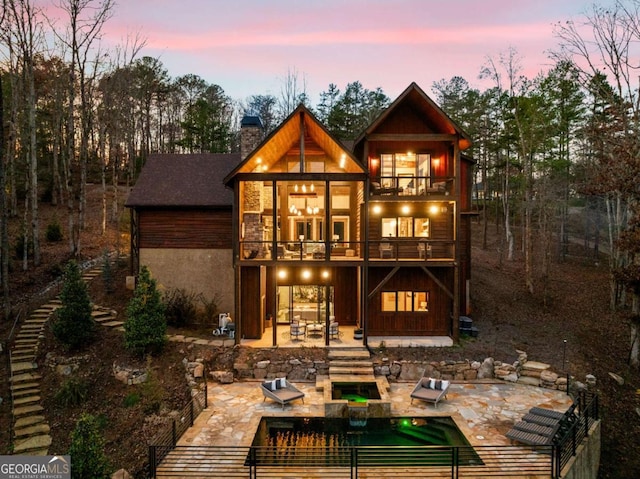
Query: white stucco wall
x=206, y=271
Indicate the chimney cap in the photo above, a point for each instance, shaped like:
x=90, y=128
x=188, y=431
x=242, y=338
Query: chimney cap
x=251, y=120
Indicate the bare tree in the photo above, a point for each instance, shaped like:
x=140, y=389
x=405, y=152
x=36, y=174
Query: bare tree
x=602, y=51
x=293, y=91
x=86, y=19
x=4, y=217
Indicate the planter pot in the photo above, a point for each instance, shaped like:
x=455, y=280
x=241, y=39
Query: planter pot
x=357, y=334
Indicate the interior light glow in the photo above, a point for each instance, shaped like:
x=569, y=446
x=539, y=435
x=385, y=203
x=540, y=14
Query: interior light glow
x=306, y=274
x=406, y=209
x=325, y=274
x=433, y=209
x=377, y=209
x=282, y=274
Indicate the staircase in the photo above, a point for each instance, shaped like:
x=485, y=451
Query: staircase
x=30, y=427
x=350, y=365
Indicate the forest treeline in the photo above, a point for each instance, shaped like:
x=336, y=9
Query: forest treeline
x=568, y=139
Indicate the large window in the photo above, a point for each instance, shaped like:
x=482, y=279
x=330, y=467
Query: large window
x=415, y=301
x=405, y=227
x=411, y=170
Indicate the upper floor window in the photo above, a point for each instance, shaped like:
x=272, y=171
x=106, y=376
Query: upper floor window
x=411, y=170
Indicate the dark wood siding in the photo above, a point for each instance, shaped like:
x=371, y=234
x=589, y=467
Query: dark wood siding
x=346, y=294
x=434, y=322
x=252, y=324
x=185, y=228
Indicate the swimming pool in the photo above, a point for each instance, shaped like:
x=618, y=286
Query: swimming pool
x=278, y=439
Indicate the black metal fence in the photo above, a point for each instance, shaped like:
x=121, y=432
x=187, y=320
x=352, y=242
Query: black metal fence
x=578, y=431
x=167, y=459
x=395, y=462
x=165, y=441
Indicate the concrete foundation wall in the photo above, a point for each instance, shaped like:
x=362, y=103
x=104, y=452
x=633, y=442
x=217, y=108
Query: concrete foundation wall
x=586, y=462
x=206, y=271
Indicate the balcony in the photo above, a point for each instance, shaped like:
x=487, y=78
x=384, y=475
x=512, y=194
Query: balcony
x=421, y=186
x=387, y=250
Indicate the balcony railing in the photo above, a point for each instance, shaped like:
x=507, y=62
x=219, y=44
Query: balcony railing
x=388, y=249
x=411, y=185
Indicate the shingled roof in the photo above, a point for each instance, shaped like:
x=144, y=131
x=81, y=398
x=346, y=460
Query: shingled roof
x=184, y=180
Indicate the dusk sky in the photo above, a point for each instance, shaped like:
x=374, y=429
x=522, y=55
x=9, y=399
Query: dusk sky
x=248, y=46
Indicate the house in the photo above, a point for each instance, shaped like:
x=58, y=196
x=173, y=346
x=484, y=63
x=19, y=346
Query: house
x=375, y=236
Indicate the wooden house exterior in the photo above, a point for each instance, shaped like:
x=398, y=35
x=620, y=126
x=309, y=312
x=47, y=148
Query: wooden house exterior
x=181, y=224
x=376, y=236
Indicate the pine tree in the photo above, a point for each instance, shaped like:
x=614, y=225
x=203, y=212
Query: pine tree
x=146, y=326
x=73, y=324
x=88, y=459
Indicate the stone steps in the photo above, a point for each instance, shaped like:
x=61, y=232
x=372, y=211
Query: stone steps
x=22, y=367
x=333, y=371
x=25, y=400
x=20, y=393
x=351, y=364
x=24, y=385
x=27, y=410
x=349, y=354
x=31, y=430
x=35, y=430
x=31, y=444
x=29, y=376
x=28, y=421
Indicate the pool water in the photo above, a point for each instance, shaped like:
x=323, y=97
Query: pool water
x=318, y=441
x=321, y=432
x=355, y=392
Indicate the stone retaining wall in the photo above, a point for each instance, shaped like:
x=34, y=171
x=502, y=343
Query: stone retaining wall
x=521, y=371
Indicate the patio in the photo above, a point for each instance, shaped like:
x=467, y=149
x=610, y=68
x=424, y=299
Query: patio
x=483, y=411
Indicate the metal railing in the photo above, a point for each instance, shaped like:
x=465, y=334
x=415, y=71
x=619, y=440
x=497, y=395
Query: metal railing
x=578, y=431
x=167, y=439
x=166, y=459
x=392, y=462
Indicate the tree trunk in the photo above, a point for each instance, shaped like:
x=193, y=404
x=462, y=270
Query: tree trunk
x=4, y=218
x=33, y=165
x=634, y=351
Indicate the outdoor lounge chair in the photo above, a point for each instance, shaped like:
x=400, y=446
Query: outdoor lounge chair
x=430, y=390
x=281, y=391
x=540, y=426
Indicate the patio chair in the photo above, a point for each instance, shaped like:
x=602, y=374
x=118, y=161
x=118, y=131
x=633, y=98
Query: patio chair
x=424, y=250
x=298, y=330
x=334, y=330
x=386, y=250
x=430, y=390
x=281, y=391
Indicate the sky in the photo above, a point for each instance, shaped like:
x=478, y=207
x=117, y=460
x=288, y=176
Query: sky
x=248, y=47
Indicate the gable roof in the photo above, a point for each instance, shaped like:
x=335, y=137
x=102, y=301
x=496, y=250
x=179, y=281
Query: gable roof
x=184, y=180
x=299, y=132
x=420, y=101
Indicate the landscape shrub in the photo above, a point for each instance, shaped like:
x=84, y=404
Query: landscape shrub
x=88, y=458
x=152, y=391
x=131, y=400
x=72, y=392
x=210, y=311
x=73, y=325
x=180, y=307
x=145, y=329
x=54, y=232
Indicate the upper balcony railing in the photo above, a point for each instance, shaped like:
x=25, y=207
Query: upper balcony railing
x=388, y=249
x=411, y=185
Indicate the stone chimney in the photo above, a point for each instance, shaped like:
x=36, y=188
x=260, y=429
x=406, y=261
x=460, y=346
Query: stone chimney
x=251, y=134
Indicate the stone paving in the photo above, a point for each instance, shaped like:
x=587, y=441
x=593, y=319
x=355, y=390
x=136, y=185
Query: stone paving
x=484, y=411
